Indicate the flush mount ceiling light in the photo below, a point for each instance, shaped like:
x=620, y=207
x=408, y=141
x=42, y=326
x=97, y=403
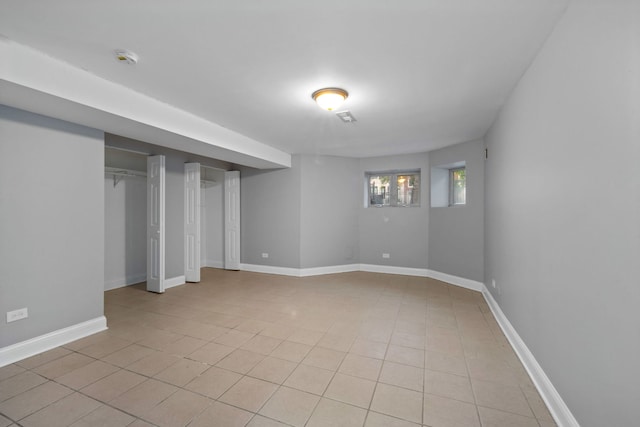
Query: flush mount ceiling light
x=330, y=98
x=126, y=56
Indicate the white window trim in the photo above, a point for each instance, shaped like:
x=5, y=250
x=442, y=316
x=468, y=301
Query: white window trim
x=393, y=187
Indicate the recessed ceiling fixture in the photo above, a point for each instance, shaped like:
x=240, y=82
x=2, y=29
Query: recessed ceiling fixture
x=126, y=56
x=330, y=98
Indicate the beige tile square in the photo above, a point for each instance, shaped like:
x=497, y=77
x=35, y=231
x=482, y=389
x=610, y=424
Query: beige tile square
x=33, y=400
x=64, y=412
x=330, y=413
x=105, y=416
x=351, y=390
x=292, y=351
x=273, y=370
x=182, y=372
x=324, y=358
x=183, y=346
x=140, y=423
x=211, y=353
x=249, y=393
x=241, y=361
x=290, y=406
x=87, y=341
x=445, y=412
x=128, y=355
x=375, y=419
x=336, y=342
x=405, y=356
x=234, y=338
x=310, y=379
x=142, y=398
x=494, y=418
x=503, y=397
x=537, y=405
x=19, y=383
x=178, y=409
x=305, y=336
x=497, y=371
x=5, y=422
x=260, y=421
x=445, y=363
x=448, y=385
x=113, y=385
x=367, y=348
x=408, y=340
x=398, y=402
x=214, y=382
x=87, y=374
x=42, y=358
x=360, y=366
x=105, y=346
x=153, y=364
x=222, y=415
x=402, y=376
x=158, y=339
x=262, y=344
x=10, y=371
x=253, y=326
x=279, y=331
x=63, y=365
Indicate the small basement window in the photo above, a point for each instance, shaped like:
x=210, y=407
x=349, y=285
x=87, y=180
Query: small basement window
x=397, y=188
x=449, y=185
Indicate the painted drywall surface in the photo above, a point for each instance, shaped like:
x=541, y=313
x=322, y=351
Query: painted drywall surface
x=125, y=257
x=174, y=216
x=400, y=232
x=456, y=234
x=563, y=210
x=212, y=220
x=331, y=197
x=270, y=216
x=51, y=223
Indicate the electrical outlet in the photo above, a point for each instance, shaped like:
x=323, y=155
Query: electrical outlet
x=265, y=255
x=385, y=255
x=493, y=283
x=14, y=315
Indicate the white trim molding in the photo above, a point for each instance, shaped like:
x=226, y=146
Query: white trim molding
x=125, y=281
x=174, y=281
x=559, y=410
x=268, y=269
x=456, y=280
x=33, y=346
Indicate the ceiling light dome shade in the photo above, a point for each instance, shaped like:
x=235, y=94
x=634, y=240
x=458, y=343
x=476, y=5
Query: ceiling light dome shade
x=330, y=98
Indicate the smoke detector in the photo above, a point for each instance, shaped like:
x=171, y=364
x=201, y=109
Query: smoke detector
x=126, y=56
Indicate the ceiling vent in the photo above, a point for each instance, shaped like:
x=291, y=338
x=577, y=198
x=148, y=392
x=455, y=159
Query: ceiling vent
x=126, y=56
x=346, y=116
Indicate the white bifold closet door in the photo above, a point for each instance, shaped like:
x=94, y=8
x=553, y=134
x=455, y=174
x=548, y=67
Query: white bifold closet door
x=192, y=222
x=232, y=220
x=155, y=223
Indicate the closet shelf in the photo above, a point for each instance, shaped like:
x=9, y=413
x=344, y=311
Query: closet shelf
x=119, y=173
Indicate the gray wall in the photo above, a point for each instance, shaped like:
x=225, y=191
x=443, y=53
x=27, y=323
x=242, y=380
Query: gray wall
x=125, y=247
x=329, y=211
x=563, y=210
x=270, y=215
x=400, y=232
x=456, y=234
x=51, y=223
x=212, y=219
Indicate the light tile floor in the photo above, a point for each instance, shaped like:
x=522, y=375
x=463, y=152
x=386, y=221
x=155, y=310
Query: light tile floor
x=239, y=348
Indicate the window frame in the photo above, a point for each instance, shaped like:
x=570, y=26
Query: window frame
x=393, y=187
x=452, y=182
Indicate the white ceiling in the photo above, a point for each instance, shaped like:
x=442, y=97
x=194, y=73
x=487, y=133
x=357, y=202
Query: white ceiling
x=421, y=74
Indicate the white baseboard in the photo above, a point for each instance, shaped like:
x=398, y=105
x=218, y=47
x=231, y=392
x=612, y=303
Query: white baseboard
x=125, y=281
x=213, y=264
x=387, y=269
x=456, y=280
x=268, y=269
x=33, y=346
x=174, y=281
x=333, y=269
x=559, y=410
